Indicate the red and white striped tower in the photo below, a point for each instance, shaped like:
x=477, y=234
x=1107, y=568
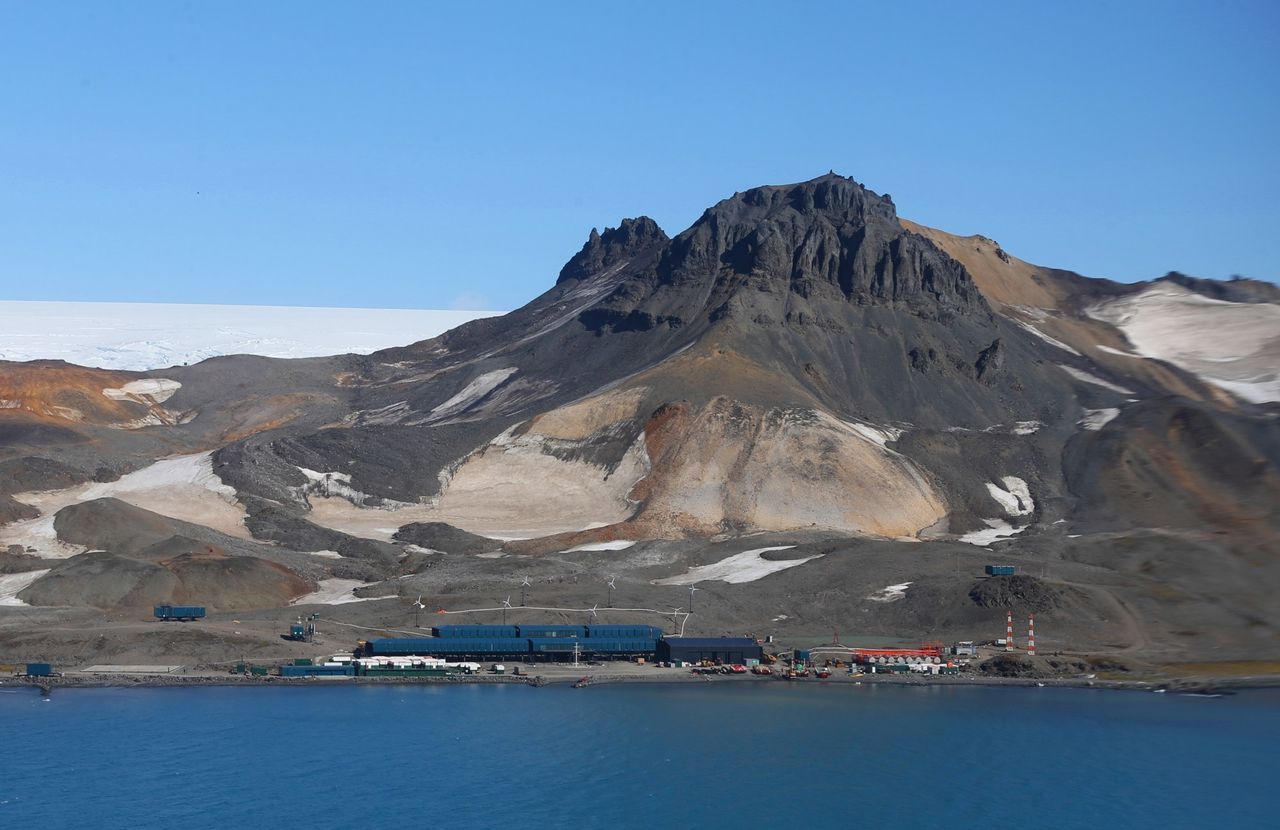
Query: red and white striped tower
x=1008, y=632
x=1031, y=635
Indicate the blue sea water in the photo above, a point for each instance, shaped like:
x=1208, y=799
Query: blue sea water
x=637, y=756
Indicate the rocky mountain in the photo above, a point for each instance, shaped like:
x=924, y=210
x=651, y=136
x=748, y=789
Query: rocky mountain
x=800, y=365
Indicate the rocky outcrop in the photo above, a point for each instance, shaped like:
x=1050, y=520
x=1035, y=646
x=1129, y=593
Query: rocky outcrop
x=614, y=247
x=445, y=537
x=825, y=239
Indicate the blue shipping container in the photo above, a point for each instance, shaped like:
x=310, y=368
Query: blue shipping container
x=543, y=631
x=593, y=646
x=179, y=612
x=1001, y=570
x=39, y=670
x=426, y=646
x=490, y=631
x=626, y=632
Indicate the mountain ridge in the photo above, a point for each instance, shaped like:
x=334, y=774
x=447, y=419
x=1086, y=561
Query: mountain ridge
x=799, y=364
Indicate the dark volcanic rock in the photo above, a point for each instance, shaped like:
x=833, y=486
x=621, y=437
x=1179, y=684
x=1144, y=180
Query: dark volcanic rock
x=1008, y=665
x=615, y=246
x=1020, y=593
x=826, y=237
x=445, y=537
x=106, y=580
x=272, y=523
x=14, y=560
x=1234, y=290
x=1173, y=462
x=22, y=475
x=12, y=510
x=989, y=361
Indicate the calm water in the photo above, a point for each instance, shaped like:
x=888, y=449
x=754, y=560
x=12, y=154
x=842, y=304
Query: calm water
x=637, y=756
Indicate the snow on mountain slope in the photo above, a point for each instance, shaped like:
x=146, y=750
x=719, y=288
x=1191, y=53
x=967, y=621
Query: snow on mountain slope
x=1234, y=345
x=144, y=336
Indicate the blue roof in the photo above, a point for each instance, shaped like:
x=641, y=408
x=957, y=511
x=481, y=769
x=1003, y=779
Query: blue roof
x=710, y=642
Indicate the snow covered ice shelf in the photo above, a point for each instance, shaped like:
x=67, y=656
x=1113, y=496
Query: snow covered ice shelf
x=144, y=336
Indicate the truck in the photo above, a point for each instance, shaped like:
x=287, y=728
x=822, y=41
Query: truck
x=1001, y=570
x=181, y=613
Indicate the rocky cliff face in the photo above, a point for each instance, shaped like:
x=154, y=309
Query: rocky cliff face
x=616, y=246
x=825, y=240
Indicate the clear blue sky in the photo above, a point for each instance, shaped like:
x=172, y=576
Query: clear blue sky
x=414, y=155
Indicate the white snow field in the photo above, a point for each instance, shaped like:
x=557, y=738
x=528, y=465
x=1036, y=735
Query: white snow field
x=1234, y=345
x=996, y=529
x=11, y=584
x=747, y=566
x=182, y=487
x=335, y=592
x=146, y=336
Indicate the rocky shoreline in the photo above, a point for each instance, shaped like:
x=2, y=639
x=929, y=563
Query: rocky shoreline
x=1186, y=685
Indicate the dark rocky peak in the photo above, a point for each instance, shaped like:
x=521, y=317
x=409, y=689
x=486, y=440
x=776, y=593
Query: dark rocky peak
x=1235, y=290
x=827, y=237
x=614, y=246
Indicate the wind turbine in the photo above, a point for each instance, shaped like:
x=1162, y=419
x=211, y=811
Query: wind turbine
x=506, y=603
x=592, y=610
x=692, y=588
x=417, y=613
x=523, y=586
x=612, y=580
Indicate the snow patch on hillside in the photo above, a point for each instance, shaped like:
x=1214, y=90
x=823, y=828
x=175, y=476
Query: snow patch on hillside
x=1234, y=345
x=747, y=566
x=147, y=390
x=335, y=592
x=183, y=487
x=620, y=544
x=1082, y=375
x=145, y=336
x=1096, y=419
x=878, y=435
x=473, y=391
x=11, y=584
x=1050, y=340
x=890, y=593
x=1014, y=496
x=1110, y=350
x=996, y=529
x=338, y=485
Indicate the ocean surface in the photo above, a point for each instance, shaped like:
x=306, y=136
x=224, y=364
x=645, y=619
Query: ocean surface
x=637, y=756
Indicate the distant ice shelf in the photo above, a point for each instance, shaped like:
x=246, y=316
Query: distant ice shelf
x=146, y=336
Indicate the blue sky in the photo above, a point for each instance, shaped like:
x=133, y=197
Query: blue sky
x=418, y=155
